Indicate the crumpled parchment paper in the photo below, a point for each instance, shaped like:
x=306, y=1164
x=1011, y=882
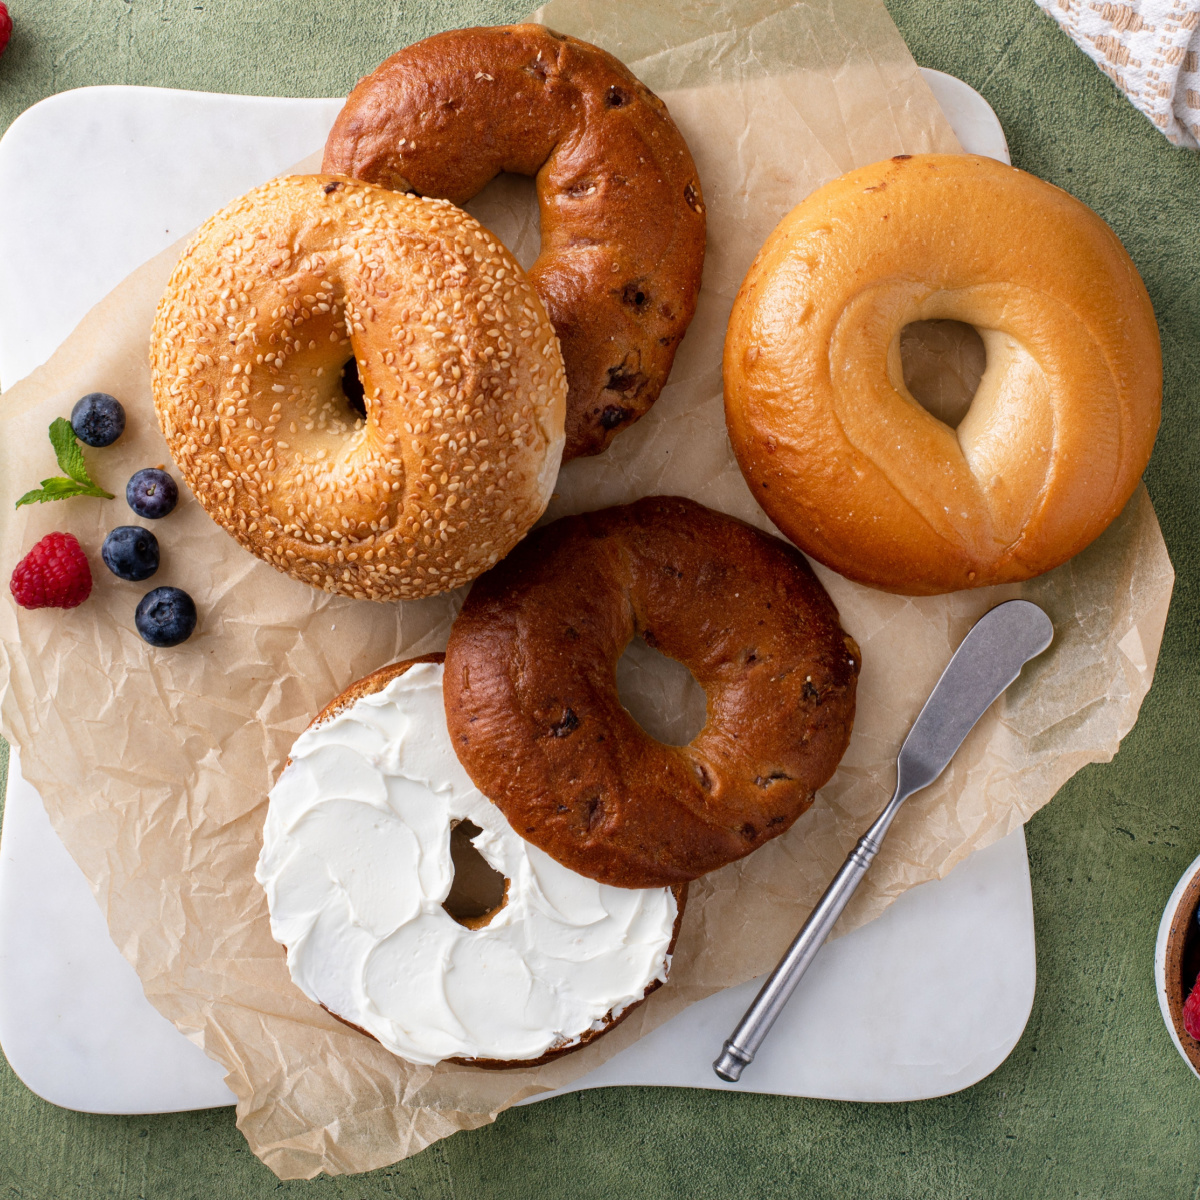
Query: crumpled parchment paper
x=155, y=765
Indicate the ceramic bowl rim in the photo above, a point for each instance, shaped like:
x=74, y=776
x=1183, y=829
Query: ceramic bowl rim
x=1169, y=939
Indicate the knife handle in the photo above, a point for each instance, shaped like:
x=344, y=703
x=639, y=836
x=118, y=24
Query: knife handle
x=743, y=1044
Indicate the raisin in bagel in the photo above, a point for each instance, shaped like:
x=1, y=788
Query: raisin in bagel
x=621, y=210
x=842, y=457
x=457, y=445
x=532, y=706
x=364, y=875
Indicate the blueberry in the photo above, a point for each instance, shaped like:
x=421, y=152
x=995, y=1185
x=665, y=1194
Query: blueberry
x=130, y=552
x=151, y=493
x=166, y=616
x=98, y=419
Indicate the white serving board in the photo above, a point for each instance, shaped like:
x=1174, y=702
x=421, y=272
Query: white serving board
x=927, y=1000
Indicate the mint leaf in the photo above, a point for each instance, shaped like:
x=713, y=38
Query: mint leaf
x=58, y=488
x=67, y=451
x=70, y=459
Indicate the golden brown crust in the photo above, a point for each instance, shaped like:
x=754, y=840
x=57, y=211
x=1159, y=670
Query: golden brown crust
x=851, y=467
x=533, y=711
x=463, y=386
x=376, y=682
x=368, y=685
x=622, y=214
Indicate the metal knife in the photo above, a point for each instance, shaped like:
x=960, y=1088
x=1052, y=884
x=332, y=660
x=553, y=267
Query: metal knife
x=988, y=659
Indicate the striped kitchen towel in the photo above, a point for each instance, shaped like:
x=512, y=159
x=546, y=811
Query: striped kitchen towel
x=1150, y=49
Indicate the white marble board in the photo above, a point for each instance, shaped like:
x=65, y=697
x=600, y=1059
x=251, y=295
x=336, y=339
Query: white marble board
x=927, y=1000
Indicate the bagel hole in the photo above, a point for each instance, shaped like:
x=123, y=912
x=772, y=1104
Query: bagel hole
x=508, y=206
x=660, y=694
x=478, y=891
x=943, y=362
x=352, y=389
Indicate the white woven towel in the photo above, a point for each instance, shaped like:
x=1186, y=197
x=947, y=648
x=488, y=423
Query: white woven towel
x=1150, y=49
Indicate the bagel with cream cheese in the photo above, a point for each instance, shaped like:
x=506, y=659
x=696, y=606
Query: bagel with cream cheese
x=361, y=871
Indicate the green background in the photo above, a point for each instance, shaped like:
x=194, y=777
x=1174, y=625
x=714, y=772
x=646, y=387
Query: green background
x=1094, y=1101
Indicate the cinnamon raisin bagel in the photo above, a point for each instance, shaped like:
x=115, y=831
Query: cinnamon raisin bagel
x=454, y=447
x=376, y=854
x=532, y=705
x=843, y=458
x=621, y=209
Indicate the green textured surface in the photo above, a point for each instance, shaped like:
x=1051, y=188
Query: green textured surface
x=1094, y=1100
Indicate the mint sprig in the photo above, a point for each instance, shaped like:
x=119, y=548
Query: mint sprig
x=77, y=481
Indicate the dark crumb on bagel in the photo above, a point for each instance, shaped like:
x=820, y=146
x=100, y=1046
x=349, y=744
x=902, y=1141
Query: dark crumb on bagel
x=612, y=416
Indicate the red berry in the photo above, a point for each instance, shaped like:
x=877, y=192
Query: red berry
x=5, y=27
x=1191, y=1012
x=54, y=574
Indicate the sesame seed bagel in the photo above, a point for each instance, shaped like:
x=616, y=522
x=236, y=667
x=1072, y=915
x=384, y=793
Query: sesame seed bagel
x=622, y=216
x=280, y=303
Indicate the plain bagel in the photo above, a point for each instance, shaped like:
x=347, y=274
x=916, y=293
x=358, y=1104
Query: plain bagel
x=454, y=453
x=842, y=457
x=622, y=215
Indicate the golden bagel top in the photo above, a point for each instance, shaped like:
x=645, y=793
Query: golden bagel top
x=455, y=450
x=843, y=458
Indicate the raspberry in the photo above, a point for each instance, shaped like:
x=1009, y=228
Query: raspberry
x=5, y=27
x=1191, y=1012
x=54, y=574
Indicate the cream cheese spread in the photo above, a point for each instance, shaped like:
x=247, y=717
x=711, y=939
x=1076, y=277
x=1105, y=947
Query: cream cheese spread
x=356, y=865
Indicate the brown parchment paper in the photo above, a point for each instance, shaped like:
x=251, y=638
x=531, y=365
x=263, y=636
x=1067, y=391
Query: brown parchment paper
x=155, y=765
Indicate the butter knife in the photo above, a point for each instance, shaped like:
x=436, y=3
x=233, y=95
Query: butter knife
x=987, y=660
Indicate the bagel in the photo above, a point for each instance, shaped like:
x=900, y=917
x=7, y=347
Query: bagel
x=533, y=710
x=622, y=215
x=842, y=457
x=455, y=449
x=359, y=867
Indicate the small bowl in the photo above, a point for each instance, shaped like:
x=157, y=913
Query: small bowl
x=1176, y=959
